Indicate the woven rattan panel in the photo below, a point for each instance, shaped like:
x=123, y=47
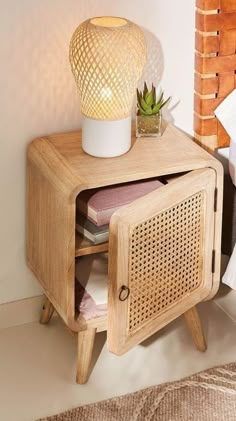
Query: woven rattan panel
x=215, y=67
x=165, y=262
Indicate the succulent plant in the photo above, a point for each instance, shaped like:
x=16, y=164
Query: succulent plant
x=147, y=102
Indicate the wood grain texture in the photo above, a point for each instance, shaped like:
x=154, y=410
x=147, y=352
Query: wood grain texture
x=100, y=323
x=50, y=239
x=47, y=312
x=58, y=170
x=84, y=247
x=156, y=156
x=85, y=350
x=194, y=324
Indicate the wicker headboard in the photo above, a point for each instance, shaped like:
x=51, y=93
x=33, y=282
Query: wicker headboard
x=215, y=67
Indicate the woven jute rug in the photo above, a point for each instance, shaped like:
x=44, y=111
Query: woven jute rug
x=206, y=396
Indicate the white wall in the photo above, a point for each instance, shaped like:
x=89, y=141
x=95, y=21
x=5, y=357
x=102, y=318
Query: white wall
x=38, y=95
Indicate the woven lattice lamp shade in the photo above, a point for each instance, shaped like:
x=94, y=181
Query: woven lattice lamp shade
x=107, y=56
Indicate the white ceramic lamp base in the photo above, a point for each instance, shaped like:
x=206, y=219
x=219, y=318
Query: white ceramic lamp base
x=104, y=138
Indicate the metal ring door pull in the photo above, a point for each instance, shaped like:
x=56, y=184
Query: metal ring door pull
x=124, y=293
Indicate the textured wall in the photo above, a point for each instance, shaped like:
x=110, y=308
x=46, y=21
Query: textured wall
x=38, y=95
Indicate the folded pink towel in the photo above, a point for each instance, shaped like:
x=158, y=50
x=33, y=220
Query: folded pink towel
x=87, y=307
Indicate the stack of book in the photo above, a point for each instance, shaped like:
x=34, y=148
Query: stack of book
x=96, y=206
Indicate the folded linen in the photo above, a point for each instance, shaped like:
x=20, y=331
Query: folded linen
x=91, y=285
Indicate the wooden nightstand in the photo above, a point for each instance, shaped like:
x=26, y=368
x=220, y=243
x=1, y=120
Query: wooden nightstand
x=164, y=247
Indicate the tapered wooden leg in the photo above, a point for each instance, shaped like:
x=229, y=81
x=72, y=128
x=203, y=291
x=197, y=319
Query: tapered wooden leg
x=47, y=312
x=85, y=349
x=194, y=324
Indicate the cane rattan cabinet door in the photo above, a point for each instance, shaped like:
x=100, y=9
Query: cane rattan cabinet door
x=160, y=258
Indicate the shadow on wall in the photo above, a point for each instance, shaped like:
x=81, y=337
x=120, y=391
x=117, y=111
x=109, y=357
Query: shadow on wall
x=154, y=68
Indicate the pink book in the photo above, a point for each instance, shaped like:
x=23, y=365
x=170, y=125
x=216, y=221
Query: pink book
x=99, y=204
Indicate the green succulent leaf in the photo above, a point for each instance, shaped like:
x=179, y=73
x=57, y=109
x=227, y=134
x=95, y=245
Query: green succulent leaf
x=156, y=109
x=150, y=99
x=145, y=90
x=165, y=102
x=147, y=101
x=139, y=98
x=154, y=94
x=148, y=112
x=159, y=100
x=144, y=105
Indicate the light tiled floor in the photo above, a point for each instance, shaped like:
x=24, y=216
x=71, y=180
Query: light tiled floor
x=37, y=363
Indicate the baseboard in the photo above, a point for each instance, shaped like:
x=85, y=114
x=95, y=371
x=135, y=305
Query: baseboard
x=28, y=310
x=20, y=312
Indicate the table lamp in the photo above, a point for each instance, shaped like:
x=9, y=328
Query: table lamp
x=107, y=56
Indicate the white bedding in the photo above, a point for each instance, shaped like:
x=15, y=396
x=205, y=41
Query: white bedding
x=229, y=277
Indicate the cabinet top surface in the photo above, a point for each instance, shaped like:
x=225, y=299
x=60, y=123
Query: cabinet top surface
x=148, y=157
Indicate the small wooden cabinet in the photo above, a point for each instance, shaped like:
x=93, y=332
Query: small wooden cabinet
x=164, y=248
